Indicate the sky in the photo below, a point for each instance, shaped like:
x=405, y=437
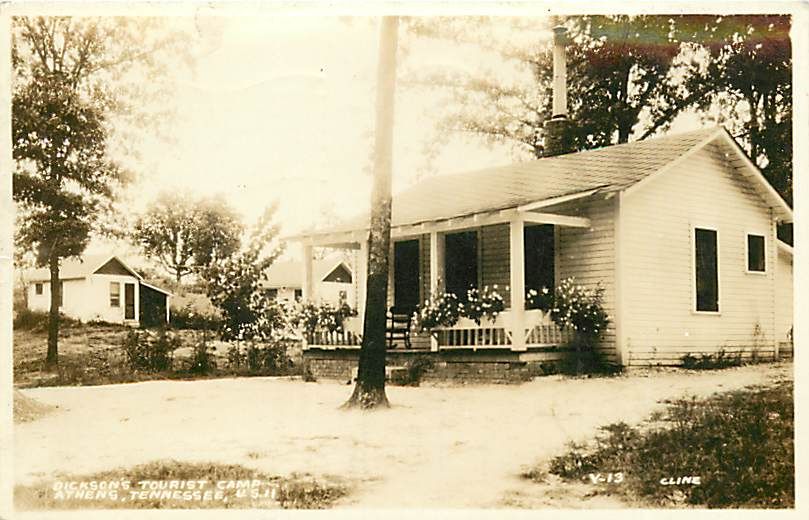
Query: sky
x=282, y=109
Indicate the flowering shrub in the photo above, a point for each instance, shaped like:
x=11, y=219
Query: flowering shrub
x=310, y=317
x=542, y=299
x=440, y=310
x=580, y=308
x=486, y=303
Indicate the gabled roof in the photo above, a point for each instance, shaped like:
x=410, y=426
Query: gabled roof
x=290, y=273
x=612, y=168
x=76, y=268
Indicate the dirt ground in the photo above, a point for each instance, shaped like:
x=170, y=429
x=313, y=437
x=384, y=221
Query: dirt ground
x=439, y=447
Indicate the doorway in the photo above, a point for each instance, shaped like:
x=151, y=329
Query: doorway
x=406, y=290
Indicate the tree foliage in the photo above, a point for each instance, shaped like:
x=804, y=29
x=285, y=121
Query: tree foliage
x=187, y=234
x=629, y=77
x=233, y=283
x=71, y=77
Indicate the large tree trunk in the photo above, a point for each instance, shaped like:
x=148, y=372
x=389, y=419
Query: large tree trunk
x=51, y=358
x=370, y=389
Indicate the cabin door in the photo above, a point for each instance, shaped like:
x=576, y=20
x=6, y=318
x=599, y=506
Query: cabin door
x=129, y=301
x=406, y=294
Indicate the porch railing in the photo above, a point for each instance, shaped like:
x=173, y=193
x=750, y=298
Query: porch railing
x=540, y=330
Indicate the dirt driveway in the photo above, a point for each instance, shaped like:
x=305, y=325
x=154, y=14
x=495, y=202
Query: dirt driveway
x=436, y=447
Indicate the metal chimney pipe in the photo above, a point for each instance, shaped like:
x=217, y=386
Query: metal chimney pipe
x=559, y=72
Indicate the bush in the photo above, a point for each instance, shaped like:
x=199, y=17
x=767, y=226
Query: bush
x=712, y=361
x=149, y=351
x=37, y=321
x=414, y=370
x=580, y=308
x=542, y=299
x=309, y=317
x=203, y=359
x=740, y=444
x=482, y=304
x=440, y=310
x=190, y=319
x=257, y=358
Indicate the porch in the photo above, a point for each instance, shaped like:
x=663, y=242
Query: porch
x=513, y=250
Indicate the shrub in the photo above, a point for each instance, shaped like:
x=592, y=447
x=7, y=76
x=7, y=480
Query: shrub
x=542, y=299
x=414, y=370
x=203, y=358
x=261, y=358
x=479, y=304
x=712, y=361
x=580, y=308
x=37, y=321
x=440, y=310
x=188, y=318
x=149, y=351
x=309, y=317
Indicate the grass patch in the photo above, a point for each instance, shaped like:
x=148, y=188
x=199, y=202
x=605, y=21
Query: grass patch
x=740, y=444
x=198, y=486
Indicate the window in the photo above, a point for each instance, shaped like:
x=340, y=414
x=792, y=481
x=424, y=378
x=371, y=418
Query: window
x=706, y=272
x=298, y=294
x=115, y=294
x=272, y=293
x=539, y=257
x=756, y=257
x=461, y=262
x=61, y=294
x=38, y=288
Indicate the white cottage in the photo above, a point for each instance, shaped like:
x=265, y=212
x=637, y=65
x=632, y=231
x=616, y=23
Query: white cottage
x=334, y=281
x=680, y=230
x=103, y=288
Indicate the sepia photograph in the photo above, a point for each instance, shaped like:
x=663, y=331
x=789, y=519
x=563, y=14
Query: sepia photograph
x=488, y=258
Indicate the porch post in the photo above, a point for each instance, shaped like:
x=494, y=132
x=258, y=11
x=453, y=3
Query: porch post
x=362, y=281
x=436, y=271
x=517, y=279
x=307, y=273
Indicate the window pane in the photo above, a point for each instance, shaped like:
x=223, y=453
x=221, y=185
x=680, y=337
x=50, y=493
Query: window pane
x=115, y=294
x=39, y=288
x=461, y=262
x=755, y=253
x=539, y=257
x=707, y=278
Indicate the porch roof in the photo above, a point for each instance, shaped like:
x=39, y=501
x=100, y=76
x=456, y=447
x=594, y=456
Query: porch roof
x=612, y=168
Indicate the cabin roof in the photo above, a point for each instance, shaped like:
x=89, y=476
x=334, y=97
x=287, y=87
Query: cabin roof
x=611, y=168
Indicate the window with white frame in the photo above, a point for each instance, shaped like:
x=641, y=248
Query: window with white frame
x=115, y=294
x=756, y=253
x=706, y=270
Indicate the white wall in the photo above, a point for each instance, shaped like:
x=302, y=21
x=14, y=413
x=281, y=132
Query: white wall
x=330, y=292
x=657, y=221
x=784, y=298
x=87, y=299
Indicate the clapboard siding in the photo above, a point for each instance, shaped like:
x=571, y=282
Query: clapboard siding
x=495, y=259
x=589, y=255
x=783, y=308
x=657, y=224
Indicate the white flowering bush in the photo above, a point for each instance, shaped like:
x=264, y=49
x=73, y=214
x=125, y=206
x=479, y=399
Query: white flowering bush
x=541, y=299
x=580, y=308
x=309, y=317
x=482, y=304
x=440, y=310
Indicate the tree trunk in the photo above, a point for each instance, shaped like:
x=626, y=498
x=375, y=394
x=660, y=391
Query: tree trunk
x=370, y=389
x=51, y=358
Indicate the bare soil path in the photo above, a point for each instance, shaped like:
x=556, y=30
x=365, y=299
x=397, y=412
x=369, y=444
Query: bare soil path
x=436, y=447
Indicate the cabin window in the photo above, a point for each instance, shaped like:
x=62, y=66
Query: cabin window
x=706, y=261
x=756, y=257
x=271, y=293
x=539, y=257
x=461, y=262
x=115, y=294
x=298, y=294
x=38, y=288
